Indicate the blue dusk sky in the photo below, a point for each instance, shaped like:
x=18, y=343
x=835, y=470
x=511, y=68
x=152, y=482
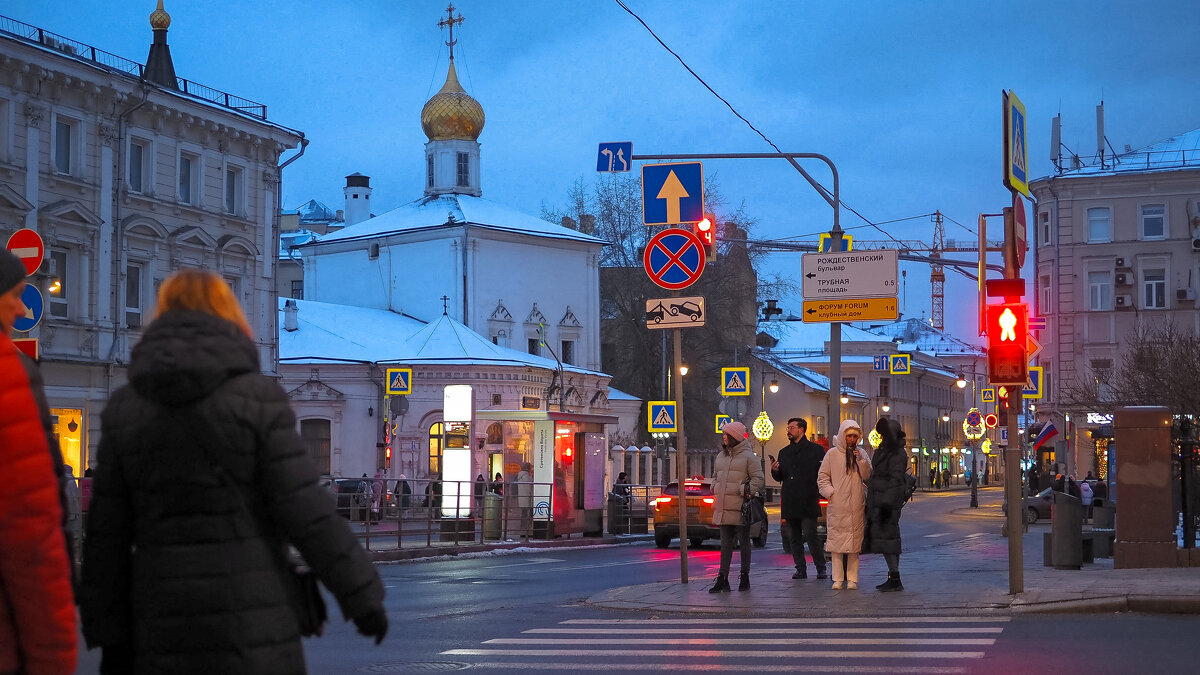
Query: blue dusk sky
x=903, y=96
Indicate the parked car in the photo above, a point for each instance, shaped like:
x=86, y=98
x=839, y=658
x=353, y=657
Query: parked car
x=346, y=491
x=1035, y=507
x=700, y=504
x=688, y=309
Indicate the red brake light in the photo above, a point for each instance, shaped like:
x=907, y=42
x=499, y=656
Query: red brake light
x=824, y=502
x=709, y=500
x=660, y=501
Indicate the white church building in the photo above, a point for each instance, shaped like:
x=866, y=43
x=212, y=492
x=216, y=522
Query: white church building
x=451, y=291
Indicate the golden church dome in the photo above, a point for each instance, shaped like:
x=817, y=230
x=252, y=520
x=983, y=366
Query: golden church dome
x=159, y=19
x=452, y=113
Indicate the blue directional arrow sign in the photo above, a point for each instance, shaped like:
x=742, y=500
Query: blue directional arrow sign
x=661, y=416
x=614, y=157
x=881, y=362
x=399, y=381
x=672, y=193
x=35, y=306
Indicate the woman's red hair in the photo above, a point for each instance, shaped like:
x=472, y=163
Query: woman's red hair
x=202, y=291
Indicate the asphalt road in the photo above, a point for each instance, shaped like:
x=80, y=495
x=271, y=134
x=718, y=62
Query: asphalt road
x=525, y=610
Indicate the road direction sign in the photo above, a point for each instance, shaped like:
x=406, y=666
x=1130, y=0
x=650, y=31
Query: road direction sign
x=735, y=381
x=1032, y=347
x=614, y=157
x=722, y=420
x=1016, y=148
x=853, y=274
x=661, y=416
x=899, y=364
x=672, y=193
x=674, y=259
x=864, y=309
x=825, y=242
x=987, y=395
x=35, y=306
x=27, y=245
x=675, y=312
x=881, y=362
x=399, y=381
x=1037, y=323
x=1033, y=389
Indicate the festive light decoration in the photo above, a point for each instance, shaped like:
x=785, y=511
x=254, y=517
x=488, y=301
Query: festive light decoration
x=762, y=427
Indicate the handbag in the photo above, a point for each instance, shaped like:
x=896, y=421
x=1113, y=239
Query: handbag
x=753, y=509
x=304, y=590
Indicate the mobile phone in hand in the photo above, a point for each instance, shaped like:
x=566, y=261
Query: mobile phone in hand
x=772, y=458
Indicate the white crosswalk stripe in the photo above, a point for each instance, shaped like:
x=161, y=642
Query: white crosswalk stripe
x=920, y=644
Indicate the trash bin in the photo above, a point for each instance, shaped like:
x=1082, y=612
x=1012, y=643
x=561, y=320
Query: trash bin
x=1066, y=532
x=618, y=514
x=491, y=515
x=1103, y=514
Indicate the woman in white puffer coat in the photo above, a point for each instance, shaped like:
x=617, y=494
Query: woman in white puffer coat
x=840, y=480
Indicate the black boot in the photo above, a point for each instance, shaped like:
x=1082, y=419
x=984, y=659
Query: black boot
x=744, y=584
x=721, y=585
x=892, y=583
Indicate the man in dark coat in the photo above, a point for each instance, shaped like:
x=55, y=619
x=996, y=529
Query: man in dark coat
x=885, y=496
x=796, y=470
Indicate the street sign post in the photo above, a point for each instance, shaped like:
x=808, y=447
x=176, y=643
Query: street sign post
x=862, y=309
x=1016, y=148
x=858, y=274
x=614, y=157
x=672, y=193
x=660, y=416
x=722, y=420
x=899, y=364
x=674, y=259
x=735, y=381
x=675, y=312
x=27, y=245
x=399, y=381
x=825, y=242
x=1034, y=386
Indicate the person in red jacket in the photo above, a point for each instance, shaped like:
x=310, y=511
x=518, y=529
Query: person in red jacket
x=37, y=607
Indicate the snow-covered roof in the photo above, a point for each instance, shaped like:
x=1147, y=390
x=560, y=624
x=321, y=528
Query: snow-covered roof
x=436, y=212
x=1172, y=154
x=805, y=376
x=313, y=211
x=797, y=336
x=294, y=238
x=918, y=334
x=618, y=395
x=345, y=333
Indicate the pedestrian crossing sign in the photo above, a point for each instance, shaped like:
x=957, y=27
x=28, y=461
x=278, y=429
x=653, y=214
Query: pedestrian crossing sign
x=399, y=381
x=722, y=420
x=899, y=364
x=987, y=395
x=661, y=417
x=735, y=381
x=1033, y=388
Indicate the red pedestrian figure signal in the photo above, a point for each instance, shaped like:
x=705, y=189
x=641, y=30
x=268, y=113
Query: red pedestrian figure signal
x=1008, y=330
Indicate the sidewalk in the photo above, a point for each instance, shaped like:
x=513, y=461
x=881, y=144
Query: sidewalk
x=964, y=576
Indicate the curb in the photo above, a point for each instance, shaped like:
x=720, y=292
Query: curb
x=399, y=555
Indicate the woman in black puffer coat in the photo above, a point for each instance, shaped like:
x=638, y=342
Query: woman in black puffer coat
x=885, y=497
x=202, y=481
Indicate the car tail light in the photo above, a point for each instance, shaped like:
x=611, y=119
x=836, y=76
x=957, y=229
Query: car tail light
x=661, y=501
x=709, y=500
x=823, y=502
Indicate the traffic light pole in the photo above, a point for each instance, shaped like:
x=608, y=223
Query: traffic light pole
x=681, y=458
x=1016, y=514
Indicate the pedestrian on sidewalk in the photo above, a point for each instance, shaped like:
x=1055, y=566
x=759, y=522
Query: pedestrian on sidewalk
x=202, y=483
x=885, y=498
x=1085, y=494
x=37, y=607
x=796, y=470
x=840, y=479
x=737, y=474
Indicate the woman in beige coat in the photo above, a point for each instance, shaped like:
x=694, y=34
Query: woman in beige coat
x=840, y=480
x=735, y=466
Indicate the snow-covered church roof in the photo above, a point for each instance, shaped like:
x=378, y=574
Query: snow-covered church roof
x=455, y=210
x=330, y=333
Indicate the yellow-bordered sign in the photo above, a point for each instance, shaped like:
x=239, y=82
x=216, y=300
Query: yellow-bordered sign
x=1036, y=381
x=1016, y=147
x=399, y=381
x=721, y=421
x=899, y=364
x=661, y=416
x=735, y=381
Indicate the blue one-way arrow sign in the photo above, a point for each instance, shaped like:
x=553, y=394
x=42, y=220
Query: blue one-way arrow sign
x=672, y=193
x=614, y=157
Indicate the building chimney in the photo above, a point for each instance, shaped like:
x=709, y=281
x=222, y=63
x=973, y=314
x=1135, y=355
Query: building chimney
x=358, y=198
x=291, y=320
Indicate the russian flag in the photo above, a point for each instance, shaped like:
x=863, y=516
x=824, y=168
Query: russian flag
x=1046, y=434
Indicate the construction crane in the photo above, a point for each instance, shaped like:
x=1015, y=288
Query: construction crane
x=911, y=250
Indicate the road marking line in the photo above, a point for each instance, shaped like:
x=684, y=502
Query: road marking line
x=540, y=561
x=786, y=620
x=911, y=642
x=712, y=654
x=842, y=630
x=939, y=534
x=739, y=667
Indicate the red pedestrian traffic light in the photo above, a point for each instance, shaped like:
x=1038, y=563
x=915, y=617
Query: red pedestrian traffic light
x=706, y=229
x=1008, y=332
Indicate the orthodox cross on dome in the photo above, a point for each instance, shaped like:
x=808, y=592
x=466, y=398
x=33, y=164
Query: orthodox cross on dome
x=445, y=299
x=449, y=22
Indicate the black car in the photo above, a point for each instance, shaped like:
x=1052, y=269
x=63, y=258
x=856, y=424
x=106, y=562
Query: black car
x=1035, y=507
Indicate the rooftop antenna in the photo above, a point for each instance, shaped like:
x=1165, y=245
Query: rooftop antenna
x=1056, y=142
x=1100, y=132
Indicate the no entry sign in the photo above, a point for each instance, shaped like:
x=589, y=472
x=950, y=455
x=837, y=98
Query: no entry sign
x=27, y=245
x=674, y=259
